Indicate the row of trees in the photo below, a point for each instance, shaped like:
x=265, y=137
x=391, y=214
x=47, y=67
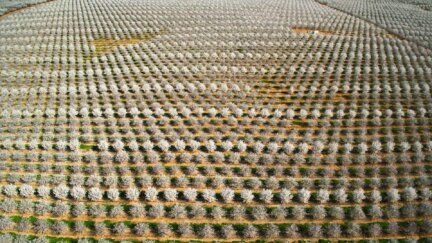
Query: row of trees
x=388, y=128
x=202, y=129
x=240, y=146
x=103, y=89
x=224, y=231
x=221, y=105
x=226, y=195
x=200, y=211
x=187, y=112
x=261, y=178
x=217, y=158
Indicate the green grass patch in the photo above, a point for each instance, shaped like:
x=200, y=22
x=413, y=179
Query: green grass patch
x=300, y=123
x=87, y=146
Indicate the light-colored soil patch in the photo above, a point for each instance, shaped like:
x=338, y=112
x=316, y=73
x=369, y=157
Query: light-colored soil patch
x=330, y=33
x=105, y=45
x=312, y=31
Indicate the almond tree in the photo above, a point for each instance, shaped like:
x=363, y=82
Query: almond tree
x=266, y=196
x=259, y=213
x=190, y=194
x=141, y=229
x=228, y=232
x=177, y=212
x=185, y=230
x=304, y=195
x=151, y=194
x=94, y=194
x=103, y=145
x=77, y=192
x=323, y=196
x=250, y=232
x=132, y=194
x=170, y=195
x=209, y=195
x=227, y=195
x=247, y=196
x=164, y=230
x=60, y=192
x=26, y=191
x=298, y=212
